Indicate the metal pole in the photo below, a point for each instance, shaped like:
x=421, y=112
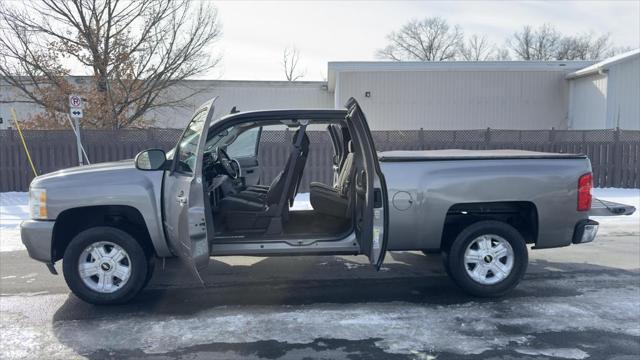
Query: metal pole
x=78, y=142
x=24, y=143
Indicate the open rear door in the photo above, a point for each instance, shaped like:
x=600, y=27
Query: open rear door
x=371, y=190
x=188, y=218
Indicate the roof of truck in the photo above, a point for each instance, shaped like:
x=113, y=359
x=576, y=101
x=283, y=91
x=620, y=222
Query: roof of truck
x=458, y=154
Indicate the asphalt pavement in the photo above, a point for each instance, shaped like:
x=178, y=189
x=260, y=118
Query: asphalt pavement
x=579, y=302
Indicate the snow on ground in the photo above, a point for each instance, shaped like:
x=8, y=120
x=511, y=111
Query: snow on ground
x=619, y=224
x=14, y=209
x=302, y=202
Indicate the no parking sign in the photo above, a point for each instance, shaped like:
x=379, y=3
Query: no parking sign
x=75, y=106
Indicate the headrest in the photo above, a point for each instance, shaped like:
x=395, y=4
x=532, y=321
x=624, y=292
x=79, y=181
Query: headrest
x=305, y=139
x=350, y=146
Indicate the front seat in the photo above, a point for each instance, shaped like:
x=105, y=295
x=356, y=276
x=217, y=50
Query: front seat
x=261, y=190
x=256, y=211
x=335, y=200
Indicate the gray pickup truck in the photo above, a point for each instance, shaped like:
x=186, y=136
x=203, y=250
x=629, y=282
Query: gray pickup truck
x=480, y=209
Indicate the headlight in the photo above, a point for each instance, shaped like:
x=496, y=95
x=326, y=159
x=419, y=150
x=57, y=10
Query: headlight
x=38, y=203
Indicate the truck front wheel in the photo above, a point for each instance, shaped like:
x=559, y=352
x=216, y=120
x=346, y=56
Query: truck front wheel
x=105, y=265
x=488, y=258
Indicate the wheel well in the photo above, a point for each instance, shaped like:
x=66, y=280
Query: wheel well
x=522, y=215
x=72, y=221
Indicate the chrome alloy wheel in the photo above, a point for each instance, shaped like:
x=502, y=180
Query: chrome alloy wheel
x=488, y=259
x=104, y=267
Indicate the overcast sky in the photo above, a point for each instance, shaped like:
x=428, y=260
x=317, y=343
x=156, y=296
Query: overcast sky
x=256, y=32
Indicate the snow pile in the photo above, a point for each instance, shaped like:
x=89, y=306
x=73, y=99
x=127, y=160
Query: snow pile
x=14, y=207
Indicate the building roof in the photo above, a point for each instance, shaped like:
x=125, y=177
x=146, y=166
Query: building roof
x=336, y=67
x=605, y=64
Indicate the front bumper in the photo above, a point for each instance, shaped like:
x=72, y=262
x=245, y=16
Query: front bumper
x=585, y=231
x=37, y=236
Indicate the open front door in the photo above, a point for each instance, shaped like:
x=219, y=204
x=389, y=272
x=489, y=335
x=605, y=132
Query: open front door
x=187, y=214
x=371, y=190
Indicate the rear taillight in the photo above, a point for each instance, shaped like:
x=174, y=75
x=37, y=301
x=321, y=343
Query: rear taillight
x=585, y=183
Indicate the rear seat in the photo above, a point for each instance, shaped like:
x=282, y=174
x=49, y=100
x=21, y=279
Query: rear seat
x=335, y=200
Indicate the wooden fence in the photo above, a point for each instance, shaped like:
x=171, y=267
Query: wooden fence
x=614, y=154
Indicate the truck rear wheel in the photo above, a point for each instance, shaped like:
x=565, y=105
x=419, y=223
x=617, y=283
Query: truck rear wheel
x=105, y=265
x=488, y=258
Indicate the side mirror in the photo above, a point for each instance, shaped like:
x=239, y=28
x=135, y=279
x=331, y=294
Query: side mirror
x=152, y=159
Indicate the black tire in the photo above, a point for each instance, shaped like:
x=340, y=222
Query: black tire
x=139, y=265
x=151, y=266
x=457, y=267
x=445, y=263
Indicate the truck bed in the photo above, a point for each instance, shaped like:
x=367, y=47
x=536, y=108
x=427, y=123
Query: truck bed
x=458, y=154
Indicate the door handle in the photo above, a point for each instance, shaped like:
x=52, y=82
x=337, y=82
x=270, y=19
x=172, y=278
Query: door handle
x=249, y=171
x=377, y=198
x=182, y=201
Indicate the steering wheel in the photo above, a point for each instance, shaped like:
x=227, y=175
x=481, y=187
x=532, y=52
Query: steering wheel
x=230, y=166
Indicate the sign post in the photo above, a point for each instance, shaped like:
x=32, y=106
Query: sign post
x=75, y=111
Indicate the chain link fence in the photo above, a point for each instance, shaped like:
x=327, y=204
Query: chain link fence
x=614, y=154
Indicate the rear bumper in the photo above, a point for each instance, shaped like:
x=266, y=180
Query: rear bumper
x=585, y=231
x=37, y=236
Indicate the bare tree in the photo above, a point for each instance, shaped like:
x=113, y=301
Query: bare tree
x=290, y=59
x=430, y=39
x=583, y=47
x=538, y=44
x=502, y=54
x=133, y=52
x=546, y=43
x=477, y=48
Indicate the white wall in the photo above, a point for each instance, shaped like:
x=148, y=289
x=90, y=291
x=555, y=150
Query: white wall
x=474, y=99
x=623, y=100
x=607, y=99
x=23, y=110
x=588, y=104
x=245, y=95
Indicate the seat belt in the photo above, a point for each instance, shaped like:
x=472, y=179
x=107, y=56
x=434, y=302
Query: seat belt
x=301, y=131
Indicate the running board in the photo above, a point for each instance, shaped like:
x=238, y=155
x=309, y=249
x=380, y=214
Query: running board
x=348, y=244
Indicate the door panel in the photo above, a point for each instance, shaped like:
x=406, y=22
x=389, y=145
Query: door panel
x=187, y=215
x=371, y=190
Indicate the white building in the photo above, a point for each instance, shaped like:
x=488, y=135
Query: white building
x=457, y=95
x=434, y=95
x=244, y=95
x=606, y=95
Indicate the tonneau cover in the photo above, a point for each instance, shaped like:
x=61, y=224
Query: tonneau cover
x=458, y=154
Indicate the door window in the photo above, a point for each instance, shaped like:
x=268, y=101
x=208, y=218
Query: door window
x=188, y=145
x=245, y=145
